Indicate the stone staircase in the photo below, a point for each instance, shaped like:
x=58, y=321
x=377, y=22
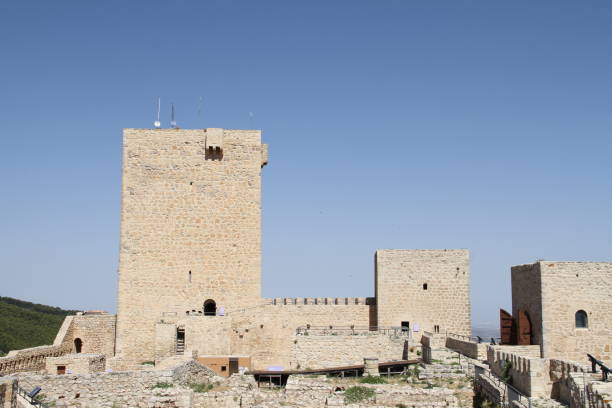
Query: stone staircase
x=546, y=403
x=447, y=364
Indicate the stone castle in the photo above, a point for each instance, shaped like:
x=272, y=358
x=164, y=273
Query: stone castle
x=189, y=288
x=190, y=261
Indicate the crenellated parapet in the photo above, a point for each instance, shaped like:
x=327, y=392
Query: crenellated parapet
x=369, y=301
x=528, y=374
x=30, y=359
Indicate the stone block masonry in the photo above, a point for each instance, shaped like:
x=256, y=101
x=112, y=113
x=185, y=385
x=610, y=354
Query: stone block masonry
x=334, y=351
x=190, y=228
x=546, y=297
x=428, y=289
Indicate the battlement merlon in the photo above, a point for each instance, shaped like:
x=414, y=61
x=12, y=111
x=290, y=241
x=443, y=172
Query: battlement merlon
x=211, y=142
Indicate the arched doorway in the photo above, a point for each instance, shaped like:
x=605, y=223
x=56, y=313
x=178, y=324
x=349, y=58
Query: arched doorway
x=525, y=334
x=78, y=345
x=210, y=308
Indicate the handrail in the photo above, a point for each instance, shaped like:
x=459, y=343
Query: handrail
x=501, y=383
x=31, y=400
x=604, y=369
x=353, y=330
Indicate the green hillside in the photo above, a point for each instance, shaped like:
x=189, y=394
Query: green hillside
x=25, y=324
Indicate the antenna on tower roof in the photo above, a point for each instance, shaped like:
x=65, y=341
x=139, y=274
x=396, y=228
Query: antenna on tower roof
x=172, y=121
x=199, y=108
x=157, y=123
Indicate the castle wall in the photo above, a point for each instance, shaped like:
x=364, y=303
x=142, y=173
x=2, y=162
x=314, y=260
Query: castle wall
x=190, y=228
x=566, y=288
x=400, y=294
x=320, y=351
x=76, y=363
x=266, y=332
x=531, y=376
x=471, y=349
x=527, y=296
x=96, y=331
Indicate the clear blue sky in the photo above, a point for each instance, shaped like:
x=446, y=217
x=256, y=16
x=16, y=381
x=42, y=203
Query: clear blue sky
x=484, y=125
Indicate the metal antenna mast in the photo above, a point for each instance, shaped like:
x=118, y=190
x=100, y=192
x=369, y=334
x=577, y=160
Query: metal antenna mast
x=157, y=123
x=172, y=121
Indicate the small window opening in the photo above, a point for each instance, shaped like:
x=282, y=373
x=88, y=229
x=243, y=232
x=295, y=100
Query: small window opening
x=61, y=369
x=582, y=320
x=436, y=328
x=189, y=276
x=191, y=183
x=424, y=286
x=261, y=326
x=405, y=326
x=223, y=368
x=210, y=308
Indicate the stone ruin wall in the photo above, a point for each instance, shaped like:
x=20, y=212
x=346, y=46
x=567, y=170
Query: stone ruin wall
x=7, y=393
x=467, y=347
x=30, y=359
x=400, y=294
x=123, y=389
x=316, y=351
x=97, y=331
x=185, y=208
x=76, y=363
x=566, y=288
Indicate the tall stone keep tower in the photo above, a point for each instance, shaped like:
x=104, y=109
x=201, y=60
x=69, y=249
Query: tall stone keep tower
x=190, y=228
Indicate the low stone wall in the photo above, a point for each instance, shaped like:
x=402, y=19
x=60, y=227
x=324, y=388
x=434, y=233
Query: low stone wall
x=487, y=387
x=122, y=389
x=532, y=351
x=432, y=345
x=333, y=351
x=7, y=392
x=564, y=386
x=471, y=349
x=529, y=375
x=312, y=392
x=30, y=359
x=76, y=363
x=599, y=395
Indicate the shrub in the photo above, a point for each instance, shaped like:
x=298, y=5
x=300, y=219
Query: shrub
x=372, y=380
x=505, y=376
x=486, y=404
x=163, y=385
x=198, y=387
x=358, y=393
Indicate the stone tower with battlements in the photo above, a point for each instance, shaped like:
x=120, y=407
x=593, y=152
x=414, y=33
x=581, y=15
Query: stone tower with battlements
x=190, y=228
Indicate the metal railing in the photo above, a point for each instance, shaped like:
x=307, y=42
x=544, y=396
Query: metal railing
x=474, y=339
x=509, y=393
x=32, y=400
x=332, y=330
x=604, y=369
